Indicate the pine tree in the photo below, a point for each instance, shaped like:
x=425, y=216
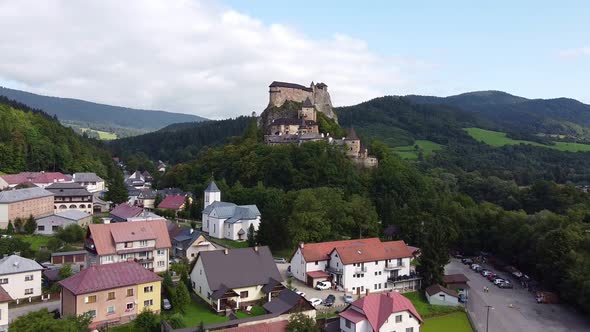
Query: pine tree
x=251, y=236
x=30, y=225
x=181, y=297
x=10, y=228
x=117, y=191
x=18, y=225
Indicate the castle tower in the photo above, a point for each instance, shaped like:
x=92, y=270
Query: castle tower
x=308, y=111
x=353, y=143
x=212, y=194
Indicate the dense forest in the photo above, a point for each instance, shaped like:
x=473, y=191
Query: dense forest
x=31, y=140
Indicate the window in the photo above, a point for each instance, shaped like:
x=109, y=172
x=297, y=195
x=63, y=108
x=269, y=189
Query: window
x=28, y=291
x=90, y=299
x=3, y=281
x=161, y=252
x=143, y=254
x=110, y=310
x=129, y=306
x=54, y=228
x=316, y=263
x=347, y=323
x=148, y=303
x=108, y=258
x=409, y=329
x=148, y=289
x=398, y=318
x=129, y=291
x=40, y=228
x=143, y=243
x=111, y=296
x=376, y=262
x=128, y=244
x=161, y=263
x=243, y=294
x=92, y=313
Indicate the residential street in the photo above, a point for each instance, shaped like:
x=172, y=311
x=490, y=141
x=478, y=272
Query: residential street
x=23, y=310
x=525, y=315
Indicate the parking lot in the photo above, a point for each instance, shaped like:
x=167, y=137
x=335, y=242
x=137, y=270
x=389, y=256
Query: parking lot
x=514, y=309
x=314, y=293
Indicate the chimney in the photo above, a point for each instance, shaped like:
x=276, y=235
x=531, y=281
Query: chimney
x=301, y=245
x=226, y=251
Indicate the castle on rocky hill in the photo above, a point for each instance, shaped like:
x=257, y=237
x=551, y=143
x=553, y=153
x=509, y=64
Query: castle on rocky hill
x=285, y=122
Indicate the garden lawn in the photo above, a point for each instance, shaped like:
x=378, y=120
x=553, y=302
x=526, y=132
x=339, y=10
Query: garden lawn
x=230, y=243
x=36, y=241
x=198, y=311
x=410, y=152
x=426, y=309
x=455, y=322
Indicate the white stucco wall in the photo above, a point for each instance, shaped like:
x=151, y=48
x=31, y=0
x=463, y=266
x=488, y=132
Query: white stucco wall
x=441, y=298
x=17, y=285
x=408, y=320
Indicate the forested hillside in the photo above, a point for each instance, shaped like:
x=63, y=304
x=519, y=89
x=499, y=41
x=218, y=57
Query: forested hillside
x=31, y=140
x=180, y=142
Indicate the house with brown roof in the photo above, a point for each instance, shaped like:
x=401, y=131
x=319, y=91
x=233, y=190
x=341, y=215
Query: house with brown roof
x=439, y=295
x=4, y=300
x=112, y=294
x=458, y=282
x=145, y=242
x=358, y=266
x=381, y=312
x=174, y=202
x=231, y=279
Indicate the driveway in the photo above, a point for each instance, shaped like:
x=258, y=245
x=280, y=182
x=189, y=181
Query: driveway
x=14, y=313
x=314, y=293
x=525, y=314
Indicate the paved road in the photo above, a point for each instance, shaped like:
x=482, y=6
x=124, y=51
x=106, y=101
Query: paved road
x=525, y=315
x=25, y=309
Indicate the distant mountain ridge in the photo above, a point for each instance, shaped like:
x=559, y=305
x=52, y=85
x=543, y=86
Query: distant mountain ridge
x=89, y=112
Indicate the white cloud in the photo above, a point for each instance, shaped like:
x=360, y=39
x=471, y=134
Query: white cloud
x=575, y=52
x=185, y=56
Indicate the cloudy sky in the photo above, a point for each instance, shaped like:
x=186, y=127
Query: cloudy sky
x=217, y=58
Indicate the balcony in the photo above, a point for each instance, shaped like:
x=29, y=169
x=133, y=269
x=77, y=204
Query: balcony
x=334, y=270
x=410, y=277
x=391, y=266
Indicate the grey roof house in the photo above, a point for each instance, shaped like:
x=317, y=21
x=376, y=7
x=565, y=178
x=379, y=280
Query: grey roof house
x=50, y=224
x=92, y=182
x=230, y=279
x=187, y=243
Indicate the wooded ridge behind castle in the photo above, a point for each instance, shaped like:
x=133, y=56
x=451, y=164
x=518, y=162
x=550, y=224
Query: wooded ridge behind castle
x=291, y=117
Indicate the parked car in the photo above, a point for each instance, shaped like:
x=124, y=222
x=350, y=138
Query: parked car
x=491, y=276
x=486, y=273
x=467, y=261
x=499, y=281
x=348, y=298
x=329, y=301
x=166, y=304
x=280, y=260
x=315, y=301
x=289, y=273
x=323, y=285
x=505, y=285
x=299, y=292
x=496, y=278
x=478, y=269
x=474, y=266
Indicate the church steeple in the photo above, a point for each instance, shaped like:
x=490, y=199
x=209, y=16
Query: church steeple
x=212, y=194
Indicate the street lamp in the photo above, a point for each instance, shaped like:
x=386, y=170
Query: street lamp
x=488, y=316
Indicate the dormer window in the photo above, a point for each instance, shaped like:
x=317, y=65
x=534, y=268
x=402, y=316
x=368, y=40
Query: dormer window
x=128, y=244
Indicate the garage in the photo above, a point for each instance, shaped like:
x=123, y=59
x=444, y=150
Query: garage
x=314, y=277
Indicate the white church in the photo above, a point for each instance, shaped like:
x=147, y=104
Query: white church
x=225, y=220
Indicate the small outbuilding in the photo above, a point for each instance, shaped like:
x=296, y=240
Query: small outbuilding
x=439, y=295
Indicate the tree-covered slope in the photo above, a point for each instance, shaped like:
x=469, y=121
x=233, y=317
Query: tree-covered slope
x=89, y=112
x=31, y=140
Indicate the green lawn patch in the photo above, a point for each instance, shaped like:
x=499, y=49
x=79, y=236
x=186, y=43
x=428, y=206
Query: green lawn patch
x=36, y=241
x=103, y=135
x=455, y=322
x=199, y=311
x=411, y=152
x=426, y=309
x=130, y=327
x=498, y=138
x=230, y=243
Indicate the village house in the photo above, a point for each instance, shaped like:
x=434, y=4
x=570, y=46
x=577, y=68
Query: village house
x=358, y=266
x=136, y=180
x=112, y=294
x=71, y=196
x=23, y=203
x=146, y=198
x=39, y=179
x=381, y=312
x=161, y=167
x=20, y=277
x=187, y=243
x=122, y=212
x=227, y=220
x=232, y=279
x=51, y=224
x=439, y=295
x=99, y=204
x=457, y=282
x=145, y=242
x=4, y=300
x=92, y=182
x=175, y=203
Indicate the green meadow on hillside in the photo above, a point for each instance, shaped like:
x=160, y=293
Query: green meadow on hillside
x=410, y=151
x=497, y=138
x=103, y=135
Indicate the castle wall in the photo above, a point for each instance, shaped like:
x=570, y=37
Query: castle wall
x=278, y=95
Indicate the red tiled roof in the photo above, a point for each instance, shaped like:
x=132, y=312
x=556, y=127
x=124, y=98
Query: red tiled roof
x=51, y=177
x=125, y=211
x=313, y=252
x=378, y=307
x=318, y=274
x=35, y=177
x=4, y=296
x=373, y=251
x=108, y=276
x=279, y=326
x=105, y=236
x=352, y=315
x=173, y=202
